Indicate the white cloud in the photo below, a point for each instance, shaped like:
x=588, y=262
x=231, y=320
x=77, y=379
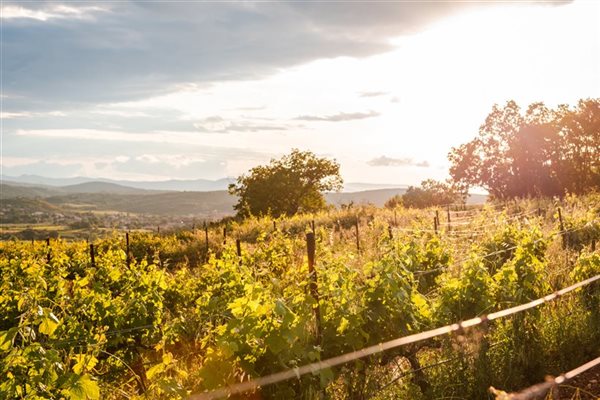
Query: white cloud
x=58, y=11
x=28, y=114
x=17, y=161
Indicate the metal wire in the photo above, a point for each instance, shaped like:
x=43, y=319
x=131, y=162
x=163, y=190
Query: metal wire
x=381, y=347
x=542, y=388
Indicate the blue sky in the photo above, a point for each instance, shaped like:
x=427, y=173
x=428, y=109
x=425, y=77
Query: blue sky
x=155, y=90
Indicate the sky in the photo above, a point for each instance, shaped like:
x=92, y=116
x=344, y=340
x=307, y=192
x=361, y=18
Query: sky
x=156, y=90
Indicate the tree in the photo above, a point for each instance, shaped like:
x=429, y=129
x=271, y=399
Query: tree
x=286, y=186
x=431, y=193
x=538, y=152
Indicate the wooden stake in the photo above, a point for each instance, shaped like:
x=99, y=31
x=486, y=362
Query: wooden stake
x=206, y=237
x=224, y=235
x=449, y=222
x=238, y=245
x=127, y=249
x=92, y=257
x=560, y=219
x=435, y=225
x=562, y=228
x=314, y=289
x=357, y=234
x=48, y=255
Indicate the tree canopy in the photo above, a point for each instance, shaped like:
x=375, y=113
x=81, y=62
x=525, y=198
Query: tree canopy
x=431, y=193
x=541, y=151
x=287, y=186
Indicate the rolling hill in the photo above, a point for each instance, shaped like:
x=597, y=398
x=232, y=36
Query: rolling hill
x=104, y=196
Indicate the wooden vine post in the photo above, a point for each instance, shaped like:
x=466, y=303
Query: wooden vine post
x=560, y=219
x=224, y=235
x=48, y=255
x=314, y=289
x=562, y=228
x=92, y=256
x=206, y=236
x=356, y=222
x=238, y=246
x=449, y=222
x=127, y=250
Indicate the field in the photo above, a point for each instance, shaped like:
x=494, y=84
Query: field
x=181, y=314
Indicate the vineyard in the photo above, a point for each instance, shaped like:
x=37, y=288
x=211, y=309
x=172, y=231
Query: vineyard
x=209, y=312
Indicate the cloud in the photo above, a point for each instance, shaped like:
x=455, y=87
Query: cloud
x=49, y=12
x=372, y=94
x=218, y=124
x=384, y=161
x=27, y=114
x=338, y=117
x=136, y=49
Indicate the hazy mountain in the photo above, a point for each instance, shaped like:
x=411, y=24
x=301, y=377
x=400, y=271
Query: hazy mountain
x=42, y=180
x=103, y=187
x=115, y=197
x=194, y=185
x=197, y=185
x=360, y=187
x=13, y=191
x=376, y=197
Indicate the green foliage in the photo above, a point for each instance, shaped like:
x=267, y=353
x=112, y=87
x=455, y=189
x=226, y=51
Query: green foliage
x=287, y=186
x=431, y=193
x=177, y=319
x=539, y=152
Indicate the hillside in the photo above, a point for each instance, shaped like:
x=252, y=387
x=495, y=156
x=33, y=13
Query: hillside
x=14, y=191
x=376, y=197
x=103, y=187
x=103, y=196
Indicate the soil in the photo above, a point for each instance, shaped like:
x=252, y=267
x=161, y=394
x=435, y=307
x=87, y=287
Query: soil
x=583, y=387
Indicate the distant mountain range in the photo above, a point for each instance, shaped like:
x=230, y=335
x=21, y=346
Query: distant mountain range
x=195, y=185
x=107, y=196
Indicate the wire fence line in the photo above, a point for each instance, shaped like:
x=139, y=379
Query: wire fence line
x=458, y=232
x=429, y=366
x=416, y=273
x=381, y=347
x=440, y=267
x=542, y=388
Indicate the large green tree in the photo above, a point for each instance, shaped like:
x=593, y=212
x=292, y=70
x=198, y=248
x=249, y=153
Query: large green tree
x=430, y=193
x=540, y=151
x=287, y=186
